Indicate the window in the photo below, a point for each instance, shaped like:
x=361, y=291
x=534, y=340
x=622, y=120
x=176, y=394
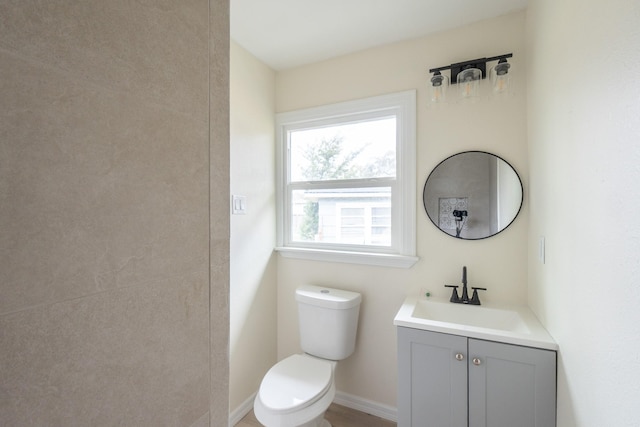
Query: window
x=346, y=181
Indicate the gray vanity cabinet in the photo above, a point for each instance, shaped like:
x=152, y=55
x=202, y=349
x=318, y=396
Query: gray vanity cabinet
x=453, y=381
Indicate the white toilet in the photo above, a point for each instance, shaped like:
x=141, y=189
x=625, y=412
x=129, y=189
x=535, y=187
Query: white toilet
x=297, y=391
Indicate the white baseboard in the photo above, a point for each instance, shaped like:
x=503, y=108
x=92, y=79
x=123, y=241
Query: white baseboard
x=350, y=401
x=242, y=410
x=367, y=406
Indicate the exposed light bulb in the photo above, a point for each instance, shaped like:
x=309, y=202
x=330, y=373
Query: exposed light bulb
x=501, y=84
x=438, y=88
x=437, y=94
x=469, y=83
x=467, y=89
x=500, y=77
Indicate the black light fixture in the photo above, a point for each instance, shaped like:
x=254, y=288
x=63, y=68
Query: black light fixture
x=468, y=74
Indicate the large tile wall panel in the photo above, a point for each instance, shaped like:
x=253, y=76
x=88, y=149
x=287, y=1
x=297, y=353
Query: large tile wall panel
x=99, y=189
x=155, y=49
x=134, y=356
x=104, y=211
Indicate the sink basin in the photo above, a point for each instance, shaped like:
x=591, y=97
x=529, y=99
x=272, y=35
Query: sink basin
x=471, y=315
x=508, y=324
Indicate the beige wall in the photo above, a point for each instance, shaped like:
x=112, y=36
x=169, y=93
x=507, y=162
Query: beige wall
x=584, y=133
x=106, y=272
x=499, y=263
x=253, y=262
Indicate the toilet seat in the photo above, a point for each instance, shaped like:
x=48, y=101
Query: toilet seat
x=295, y=383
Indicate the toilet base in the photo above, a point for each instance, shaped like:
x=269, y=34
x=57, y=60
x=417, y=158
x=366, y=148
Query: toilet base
x=318, y=422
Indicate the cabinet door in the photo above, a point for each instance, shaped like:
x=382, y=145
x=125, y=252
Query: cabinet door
x=511, y=386
x=432, y=383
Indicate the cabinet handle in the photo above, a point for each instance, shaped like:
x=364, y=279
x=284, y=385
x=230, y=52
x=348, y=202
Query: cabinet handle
x=476, y=361
x=459, y=356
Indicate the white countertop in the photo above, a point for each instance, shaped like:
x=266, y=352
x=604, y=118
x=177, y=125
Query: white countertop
x=502, y=323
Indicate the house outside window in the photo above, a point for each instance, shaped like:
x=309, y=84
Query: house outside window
x=346, y=183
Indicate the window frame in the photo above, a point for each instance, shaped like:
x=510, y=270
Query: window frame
x=401, y=253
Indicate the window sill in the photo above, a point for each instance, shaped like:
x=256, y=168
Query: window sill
x=380, y=260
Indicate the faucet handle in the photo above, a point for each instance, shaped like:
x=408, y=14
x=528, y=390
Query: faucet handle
x=475, y=300
x=454, y=294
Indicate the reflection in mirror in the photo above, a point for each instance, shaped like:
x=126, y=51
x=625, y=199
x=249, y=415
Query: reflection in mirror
x=473, y=195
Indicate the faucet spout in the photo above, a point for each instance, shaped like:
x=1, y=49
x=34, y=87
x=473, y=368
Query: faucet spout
x=465, y=294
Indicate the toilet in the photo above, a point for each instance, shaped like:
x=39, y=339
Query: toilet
x=297, y=391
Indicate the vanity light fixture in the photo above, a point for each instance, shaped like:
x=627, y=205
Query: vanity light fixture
x=467, y=75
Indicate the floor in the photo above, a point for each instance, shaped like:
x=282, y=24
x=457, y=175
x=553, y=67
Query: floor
x=337, y=415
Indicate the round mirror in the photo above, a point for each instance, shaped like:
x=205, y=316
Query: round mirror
x=473, y=195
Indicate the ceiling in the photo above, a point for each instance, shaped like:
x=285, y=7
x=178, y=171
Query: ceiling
x=288, y=33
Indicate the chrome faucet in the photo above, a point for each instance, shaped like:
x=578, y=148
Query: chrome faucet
x=474, y=300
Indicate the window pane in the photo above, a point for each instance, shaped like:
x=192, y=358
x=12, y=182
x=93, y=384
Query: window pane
x=342, y=216
x=346, y=151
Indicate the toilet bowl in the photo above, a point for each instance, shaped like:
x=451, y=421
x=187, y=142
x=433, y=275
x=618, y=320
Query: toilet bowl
x=296, y=392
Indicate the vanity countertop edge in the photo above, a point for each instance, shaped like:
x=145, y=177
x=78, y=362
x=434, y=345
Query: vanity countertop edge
x=538, y=337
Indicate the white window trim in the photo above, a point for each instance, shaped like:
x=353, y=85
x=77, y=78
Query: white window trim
x=403, y=105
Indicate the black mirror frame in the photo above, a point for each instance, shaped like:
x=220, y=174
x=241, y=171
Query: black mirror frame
x=424, y=204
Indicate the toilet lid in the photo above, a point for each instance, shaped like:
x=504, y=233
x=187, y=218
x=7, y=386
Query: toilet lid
x=295, y=382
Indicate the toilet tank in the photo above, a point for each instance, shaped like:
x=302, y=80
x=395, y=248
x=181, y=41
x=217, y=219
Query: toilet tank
x=328, y=321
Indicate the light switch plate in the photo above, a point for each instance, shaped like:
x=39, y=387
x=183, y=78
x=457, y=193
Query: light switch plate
x=238, y=205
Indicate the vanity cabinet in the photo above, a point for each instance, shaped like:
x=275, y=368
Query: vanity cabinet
x=453, y=381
